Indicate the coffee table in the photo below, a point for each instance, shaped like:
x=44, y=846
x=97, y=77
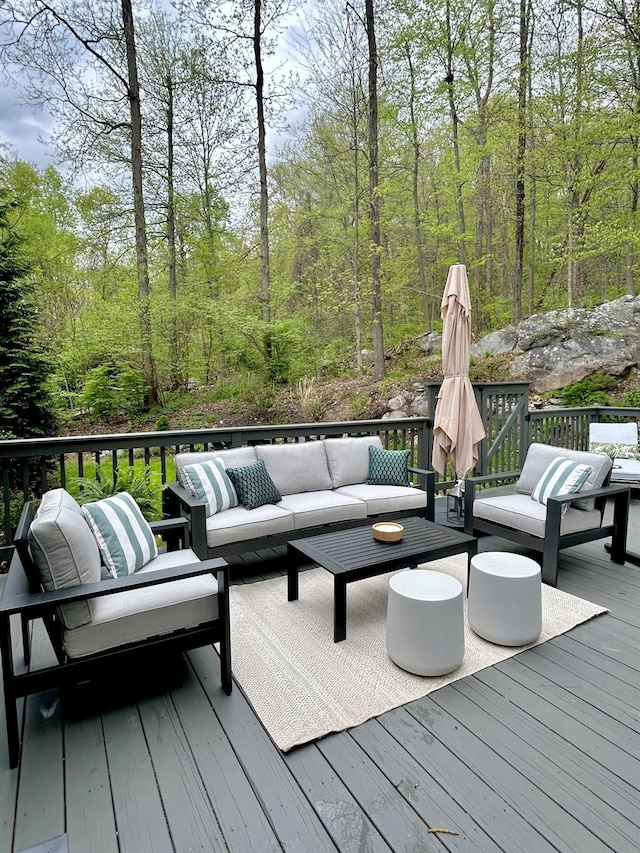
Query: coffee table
x=352, y=555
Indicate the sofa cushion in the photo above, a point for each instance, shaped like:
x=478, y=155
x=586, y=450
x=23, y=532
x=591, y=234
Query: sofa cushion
x=234, y=457
x=129, y=617
x=540, y=455
x=64, y=551
x=310, y=509
x=239, y=524
x=209, y=482
x=519, y=512
x=561, y=477
x=254, y=485
x=348, y=459
x=388, y=467
x=385, y=499
x=122, y=532
x=296, y=467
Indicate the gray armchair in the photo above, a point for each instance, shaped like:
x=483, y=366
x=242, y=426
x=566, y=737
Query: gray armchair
x=98, y=624
x=566, y=519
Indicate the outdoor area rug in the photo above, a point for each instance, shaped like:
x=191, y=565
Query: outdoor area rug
x=302, y=685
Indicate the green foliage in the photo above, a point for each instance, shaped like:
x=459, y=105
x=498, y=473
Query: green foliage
x=110, y=390
x=590, y=391
x=26, y=407
x=633, y=397
x=138, y=482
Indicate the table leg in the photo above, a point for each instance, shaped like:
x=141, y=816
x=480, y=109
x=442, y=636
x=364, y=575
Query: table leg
x=339, y=609
x=292, y=574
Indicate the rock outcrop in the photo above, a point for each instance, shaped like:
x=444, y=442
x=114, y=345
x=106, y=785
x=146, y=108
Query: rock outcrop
x=560, y=347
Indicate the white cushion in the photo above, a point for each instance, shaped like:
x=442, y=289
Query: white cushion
x=122, y=533
x=234, y=457
x=519, y=512
x=381, y=499
x=296, y=467
x=131, y=616
x=625, y=471
x=239, y=524
x=624, y=433
x=64, y=551
x=349, y=459
x=310, y=509
x=540, y=455
x=209, y=482
x=561, y=477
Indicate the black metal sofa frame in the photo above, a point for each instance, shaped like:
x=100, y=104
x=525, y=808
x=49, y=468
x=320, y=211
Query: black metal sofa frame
x=23, y=597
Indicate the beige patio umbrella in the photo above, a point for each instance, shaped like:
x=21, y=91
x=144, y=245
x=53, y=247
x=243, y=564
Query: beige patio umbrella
x=457, y=427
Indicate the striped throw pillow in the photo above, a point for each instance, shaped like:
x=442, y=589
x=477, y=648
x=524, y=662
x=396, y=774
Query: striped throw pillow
x=209, y=482
x=561, y=477
x=122, y=533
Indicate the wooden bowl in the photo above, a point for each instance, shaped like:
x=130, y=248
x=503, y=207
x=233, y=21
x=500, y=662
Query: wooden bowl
x=388, y=531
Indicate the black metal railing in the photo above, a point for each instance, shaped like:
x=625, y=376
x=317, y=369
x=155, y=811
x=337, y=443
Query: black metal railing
x=29, y=467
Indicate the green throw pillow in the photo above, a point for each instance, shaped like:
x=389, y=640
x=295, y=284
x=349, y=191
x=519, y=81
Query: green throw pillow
x=561, y=477
x=254, y=485
x=123, y=534
x=388, y=467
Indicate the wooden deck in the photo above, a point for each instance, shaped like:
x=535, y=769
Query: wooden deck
x=538, y=753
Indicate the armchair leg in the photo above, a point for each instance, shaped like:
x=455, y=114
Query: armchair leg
x=26, y=640
x=550, y=567
x=11, y=711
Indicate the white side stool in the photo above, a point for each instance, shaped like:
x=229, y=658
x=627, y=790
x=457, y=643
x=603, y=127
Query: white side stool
x=425, y=622
x=505, y=598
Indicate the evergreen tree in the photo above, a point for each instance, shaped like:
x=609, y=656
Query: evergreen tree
x=26, y=408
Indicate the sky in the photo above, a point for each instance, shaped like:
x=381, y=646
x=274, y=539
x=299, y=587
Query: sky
x=25, y=130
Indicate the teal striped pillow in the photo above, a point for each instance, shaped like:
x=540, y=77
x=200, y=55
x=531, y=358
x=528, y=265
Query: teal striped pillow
x=209, y=482
x=561, y=477
x=122, y=533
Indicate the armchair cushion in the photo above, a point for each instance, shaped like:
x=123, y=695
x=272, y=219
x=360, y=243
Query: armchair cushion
x=254, y=485
x=561, y=477
x=209, y=482
x=388, y=467
x=64, y=551
x=122, y=533
x=539, y=456
x=130, y=617
x=616, y=450
x=519, y=512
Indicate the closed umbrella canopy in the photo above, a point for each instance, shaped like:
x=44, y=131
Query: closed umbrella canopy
x=457, y=425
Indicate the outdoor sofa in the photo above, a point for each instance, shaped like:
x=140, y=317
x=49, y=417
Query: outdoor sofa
x=336, y=482
x=98, y=623
x=536, y=516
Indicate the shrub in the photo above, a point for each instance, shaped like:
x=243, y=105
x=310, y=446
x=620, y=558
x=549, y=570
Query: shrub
x=126, y=479
x=590, y=391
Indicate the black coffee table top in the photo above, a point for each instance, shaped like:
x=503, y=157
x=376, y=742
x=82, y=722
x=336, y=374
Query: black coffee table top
x=346, y=551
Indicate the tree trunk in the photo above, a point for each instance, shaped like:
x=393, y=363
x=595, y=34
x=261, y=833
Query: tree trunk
x=523, y=75
x=265, y=293
x=374, y=197
x=417, y=222
x=144, y=290
x=453, y=113
x=171, y=241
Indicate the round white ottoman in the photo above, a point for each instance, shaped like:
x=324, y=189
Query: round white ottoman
x=425, y=622
x=505, y=598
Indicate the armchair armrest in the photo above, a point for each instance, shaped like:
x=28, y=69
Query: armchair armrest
x=172, y=530
x=179, y=501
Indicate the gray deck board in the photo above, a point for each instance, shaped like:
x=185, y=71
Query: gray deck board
x=537, y=753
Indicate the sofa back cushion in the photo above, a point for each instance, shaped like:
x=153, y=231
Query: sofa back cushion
x=64, y=551
x=235, y=457
x=296, y=468
x=540, y=456
x=348, y=459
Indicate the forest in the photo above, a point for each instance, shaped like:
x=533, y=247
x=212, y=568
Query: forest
x=257, y=192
